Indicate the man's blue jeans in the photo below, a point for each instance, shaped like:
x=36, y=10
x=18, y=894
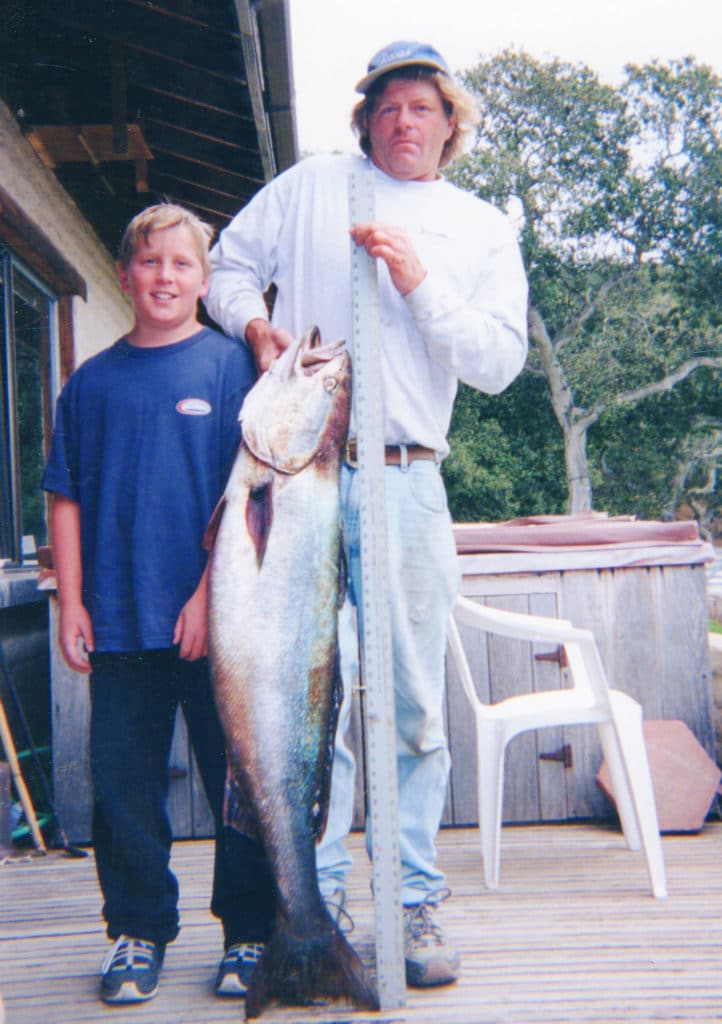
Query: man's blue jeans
x=423, y=578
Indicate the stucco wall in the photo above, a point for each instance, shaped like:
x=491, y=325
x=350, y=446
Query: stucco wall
x=35, y=189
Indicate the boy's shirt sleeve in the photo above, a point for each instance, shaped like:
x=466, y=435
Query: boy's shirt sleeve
x=60, y=475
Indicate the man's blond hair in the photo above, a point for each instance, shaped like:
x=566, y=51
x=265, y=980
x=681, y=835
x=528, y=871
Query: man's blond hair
x=457, y=103
x=159, y=217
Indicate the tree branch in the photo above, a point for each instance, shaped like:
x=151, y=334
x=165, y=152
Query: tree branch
x=576, y=324
x=666, y=383
x=561, y=393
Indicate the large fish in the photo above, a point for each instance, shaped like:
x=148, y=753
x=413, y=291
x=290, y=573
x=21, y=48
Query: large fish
x=275, y=583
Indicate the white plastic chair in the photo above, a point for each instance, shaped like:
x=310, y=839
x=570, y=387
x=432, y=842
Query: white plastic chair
x=617, y=716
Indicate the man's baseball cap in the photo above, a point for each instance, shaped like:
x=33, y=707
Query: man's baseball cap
x=400, y=55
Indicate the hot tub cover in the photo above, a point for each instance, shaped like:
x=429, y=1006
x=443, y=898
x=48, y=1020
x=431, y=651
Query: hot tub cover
x=585, y=540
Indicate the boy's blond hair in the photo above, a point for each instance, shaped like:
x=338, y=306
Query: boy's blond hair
x=165, y=215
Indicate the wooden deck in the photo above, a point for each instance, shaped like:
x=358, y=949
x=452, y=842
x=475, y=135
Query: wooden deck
x=572, y=935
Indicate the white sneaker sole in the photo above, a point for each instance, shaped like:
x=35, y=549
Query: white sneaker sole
x=128, y=993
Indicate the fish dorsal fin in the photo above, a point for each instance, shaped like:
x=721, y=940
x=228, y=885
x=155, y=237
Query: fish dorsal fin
x=259, y=516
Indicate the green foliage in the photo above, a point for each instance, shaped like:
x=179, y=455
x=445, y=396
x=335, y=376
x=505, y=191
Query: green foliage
x=504, y=462
x=635, y=453
x=618, y=195
x=551, y=139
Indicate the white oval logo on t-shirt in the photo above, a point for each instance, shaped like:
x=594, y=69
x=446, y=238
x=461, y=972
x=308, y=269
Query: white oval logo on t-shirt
x=193, y=407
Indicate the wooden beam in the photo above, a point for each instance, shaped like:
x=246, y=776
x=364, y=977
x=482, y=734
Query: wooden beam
x=253, y=64
x=275, y=32
x=32, y=244
x=66, y=337
x=119, y=100
x=65, y=143
x=153, y=30
x=214, y=179
x=174, y=141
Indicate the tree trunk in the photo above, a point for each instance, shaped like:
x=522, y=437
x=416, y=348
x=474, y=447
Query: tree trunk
x=574, y=430
x=579, y=484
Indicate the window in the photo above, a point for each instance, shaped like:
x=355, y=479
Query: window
x=29, y=385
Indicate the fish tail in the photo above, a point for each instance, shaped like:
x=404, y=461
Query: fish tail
x=298, y=971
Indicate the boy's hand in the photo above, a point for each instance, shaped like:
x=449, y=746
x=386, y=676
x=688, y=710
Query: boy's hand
x=74, y=625
x=191, y=628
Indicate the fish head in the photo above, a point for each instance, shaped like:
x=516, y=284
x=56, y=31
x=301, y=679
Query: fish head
x=299, y=409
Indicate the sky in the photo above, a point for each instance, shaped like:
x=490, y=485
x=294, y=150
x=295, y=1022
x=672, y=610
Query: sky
x=332, y=41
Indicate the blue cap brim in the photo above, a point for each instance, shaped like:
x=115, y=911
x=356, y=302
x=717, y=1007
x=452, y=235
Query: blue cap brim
x=413, y=60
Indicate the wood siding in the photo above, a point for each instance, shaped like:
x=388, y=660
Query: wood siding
x=650, y=623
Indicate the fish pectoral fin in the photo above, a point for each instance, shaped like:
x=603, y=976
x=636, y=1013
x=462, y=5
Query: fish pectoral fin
x=342, y=577
x=214, y=523
x=236, y=811
x=319, y=811
x=259, y=517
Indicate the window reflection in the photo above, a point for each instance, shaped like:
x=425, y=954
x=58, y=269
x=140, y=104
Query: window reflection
x=31, y=312
x=28, y=334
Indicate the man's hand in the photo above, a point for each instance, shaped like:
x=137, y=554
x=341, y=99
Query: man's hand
x=75, y=636
x=266, y=342
x=393, y=246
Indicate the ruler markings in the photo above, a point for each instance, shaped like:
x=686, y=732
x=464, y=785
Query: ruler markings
x=376, y=661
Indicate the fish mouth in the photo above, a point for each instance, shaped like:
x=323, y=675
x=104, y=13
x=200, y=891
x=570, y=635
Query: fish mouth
x=312, y=354
x=306, y=355
x=316, y=357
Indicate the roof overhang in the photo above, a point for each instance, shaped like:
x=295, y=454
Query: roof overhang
x=131, y=103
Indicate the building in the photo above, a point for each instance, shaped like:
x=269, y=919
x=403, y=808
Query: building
x=105, y=108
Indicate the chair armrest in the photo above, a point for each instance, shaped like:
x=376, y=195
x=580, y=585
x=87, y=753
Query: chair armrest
x=517, y=625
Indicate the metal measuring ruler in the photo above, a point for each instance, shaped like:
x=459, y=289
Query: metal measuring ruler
x=376, y=660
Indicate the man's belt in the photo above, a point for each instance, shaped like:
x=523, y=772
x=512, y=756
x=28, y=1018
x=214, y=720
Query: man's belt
x=393, y=454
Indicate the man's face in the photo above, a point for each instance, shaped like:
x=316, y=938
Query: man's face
x=408, y=129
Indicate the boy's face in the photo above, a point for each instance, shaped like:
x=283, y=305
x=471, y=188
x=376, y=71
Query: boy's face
x=165, y=278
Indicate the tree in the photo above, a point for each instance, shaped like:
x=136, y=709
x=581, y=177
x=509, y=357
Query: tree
x=617, y=192
x=502, y=462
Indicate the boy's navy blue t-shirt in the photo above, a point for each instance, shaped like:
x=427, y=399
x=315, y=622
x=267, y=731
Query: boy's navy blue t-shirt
x=144, y=441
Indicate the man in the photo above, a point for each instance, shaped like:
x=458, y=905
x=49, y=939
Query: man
x=452, y=305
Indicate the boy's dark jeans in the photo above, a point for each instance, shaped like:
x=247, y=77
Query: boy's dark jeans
x=134, y=698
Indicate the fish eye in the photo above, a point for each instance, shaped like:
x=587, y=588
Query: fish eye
x=329, y=384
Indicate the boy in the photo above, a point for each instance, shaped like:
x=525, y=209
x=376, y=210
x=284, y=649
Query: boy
x=145, y=435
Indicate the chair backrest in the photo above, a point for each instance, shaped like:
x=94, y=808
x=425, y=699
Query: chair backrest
x=587, y=672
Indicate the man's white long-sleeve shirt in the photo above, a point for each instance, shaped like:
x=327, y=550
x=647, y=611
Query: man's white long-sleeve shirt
x=466, y=320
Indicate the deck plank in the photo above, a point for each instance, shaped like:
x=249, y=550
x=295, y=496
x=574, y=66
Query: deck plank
x=573, y=934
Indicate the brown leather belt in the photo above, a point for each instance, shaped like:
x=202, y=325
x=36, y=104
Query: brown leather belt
x=393, y=455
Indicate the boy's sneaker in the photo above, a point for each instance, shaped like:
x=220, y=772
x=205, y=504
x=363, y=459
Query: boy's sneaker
x=236, y=967
x=130, y=971
x=429, y=958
